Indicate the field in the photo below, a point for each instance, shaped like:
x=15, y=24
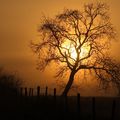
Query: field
x=58, y=108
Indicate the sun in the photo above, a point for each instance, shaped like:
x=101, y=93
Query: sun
x=73, y=53
x=70, y=50
x=85, y=50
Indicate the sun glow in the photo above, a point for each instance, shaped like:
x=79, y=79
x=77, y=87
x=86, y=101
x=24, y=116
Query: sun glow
x=70, y=50
x=73, y=53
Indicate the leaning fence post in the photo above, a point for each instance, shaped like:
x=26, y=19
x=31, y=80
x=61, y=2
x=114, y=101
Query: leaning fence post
x=25, y=91
x=113, y=109
x=38, y=91
x=93, y=108
x=46, y=91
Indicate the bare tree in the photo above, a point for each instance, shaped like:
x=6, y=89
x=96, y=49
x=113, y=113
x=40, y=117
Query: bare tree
x=110, y=74
x=9, y=83
x=75, y=40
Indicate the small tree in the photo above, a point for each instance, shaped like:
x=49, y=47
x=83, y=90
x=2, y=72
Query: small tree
x=76, y=40
x=9, y=83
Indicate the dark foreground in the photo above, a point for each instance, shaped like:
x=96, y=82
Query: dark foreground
x=59, y=108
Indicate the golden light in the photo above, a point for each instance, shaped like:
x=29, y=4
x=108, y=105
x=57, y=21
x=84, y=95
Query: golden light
x=73, y=53
x=69, y=49
x=84, y=50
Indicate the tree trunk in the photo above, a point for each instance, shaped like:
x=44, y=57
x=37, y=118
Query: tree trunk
x=69, y=84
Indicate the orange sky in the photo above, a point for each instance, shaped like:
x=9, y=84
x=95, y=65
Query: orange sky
x=19, y=20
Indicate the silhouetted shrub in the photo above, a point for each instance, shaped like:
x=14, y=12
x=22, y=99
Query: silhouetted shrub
x=9, y=83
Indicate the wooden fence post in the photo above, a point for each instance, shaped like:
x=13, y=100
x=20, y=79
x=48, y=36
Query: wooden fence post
x=55, y=93
x=30, y=90
x=21, y=91
x=46, y=91
x=38, y=91
x=54, y=99
x=26, y=92
x=93, y=108
x=78, y=103
x=113, y=109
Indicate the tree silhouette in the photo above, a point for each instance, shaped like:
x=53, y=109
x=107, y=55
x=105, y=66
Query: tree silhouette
x=76, y=40
x=110, y=74
x=9, y=83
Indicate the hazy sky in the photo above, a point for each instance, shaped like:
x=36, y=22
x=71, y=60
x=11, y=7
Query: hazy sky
x=19, y=20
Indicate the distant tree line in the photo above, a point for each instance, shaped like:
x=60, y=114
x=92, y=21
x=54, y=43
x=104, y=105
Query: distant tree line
x=9, y=83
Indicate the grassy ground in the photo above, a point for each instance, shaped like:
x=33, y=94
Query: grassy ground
x=48, y=108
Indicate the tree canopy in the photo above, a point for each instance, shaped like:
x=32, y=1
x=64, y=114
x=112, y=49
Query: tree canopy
x=78, y=40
